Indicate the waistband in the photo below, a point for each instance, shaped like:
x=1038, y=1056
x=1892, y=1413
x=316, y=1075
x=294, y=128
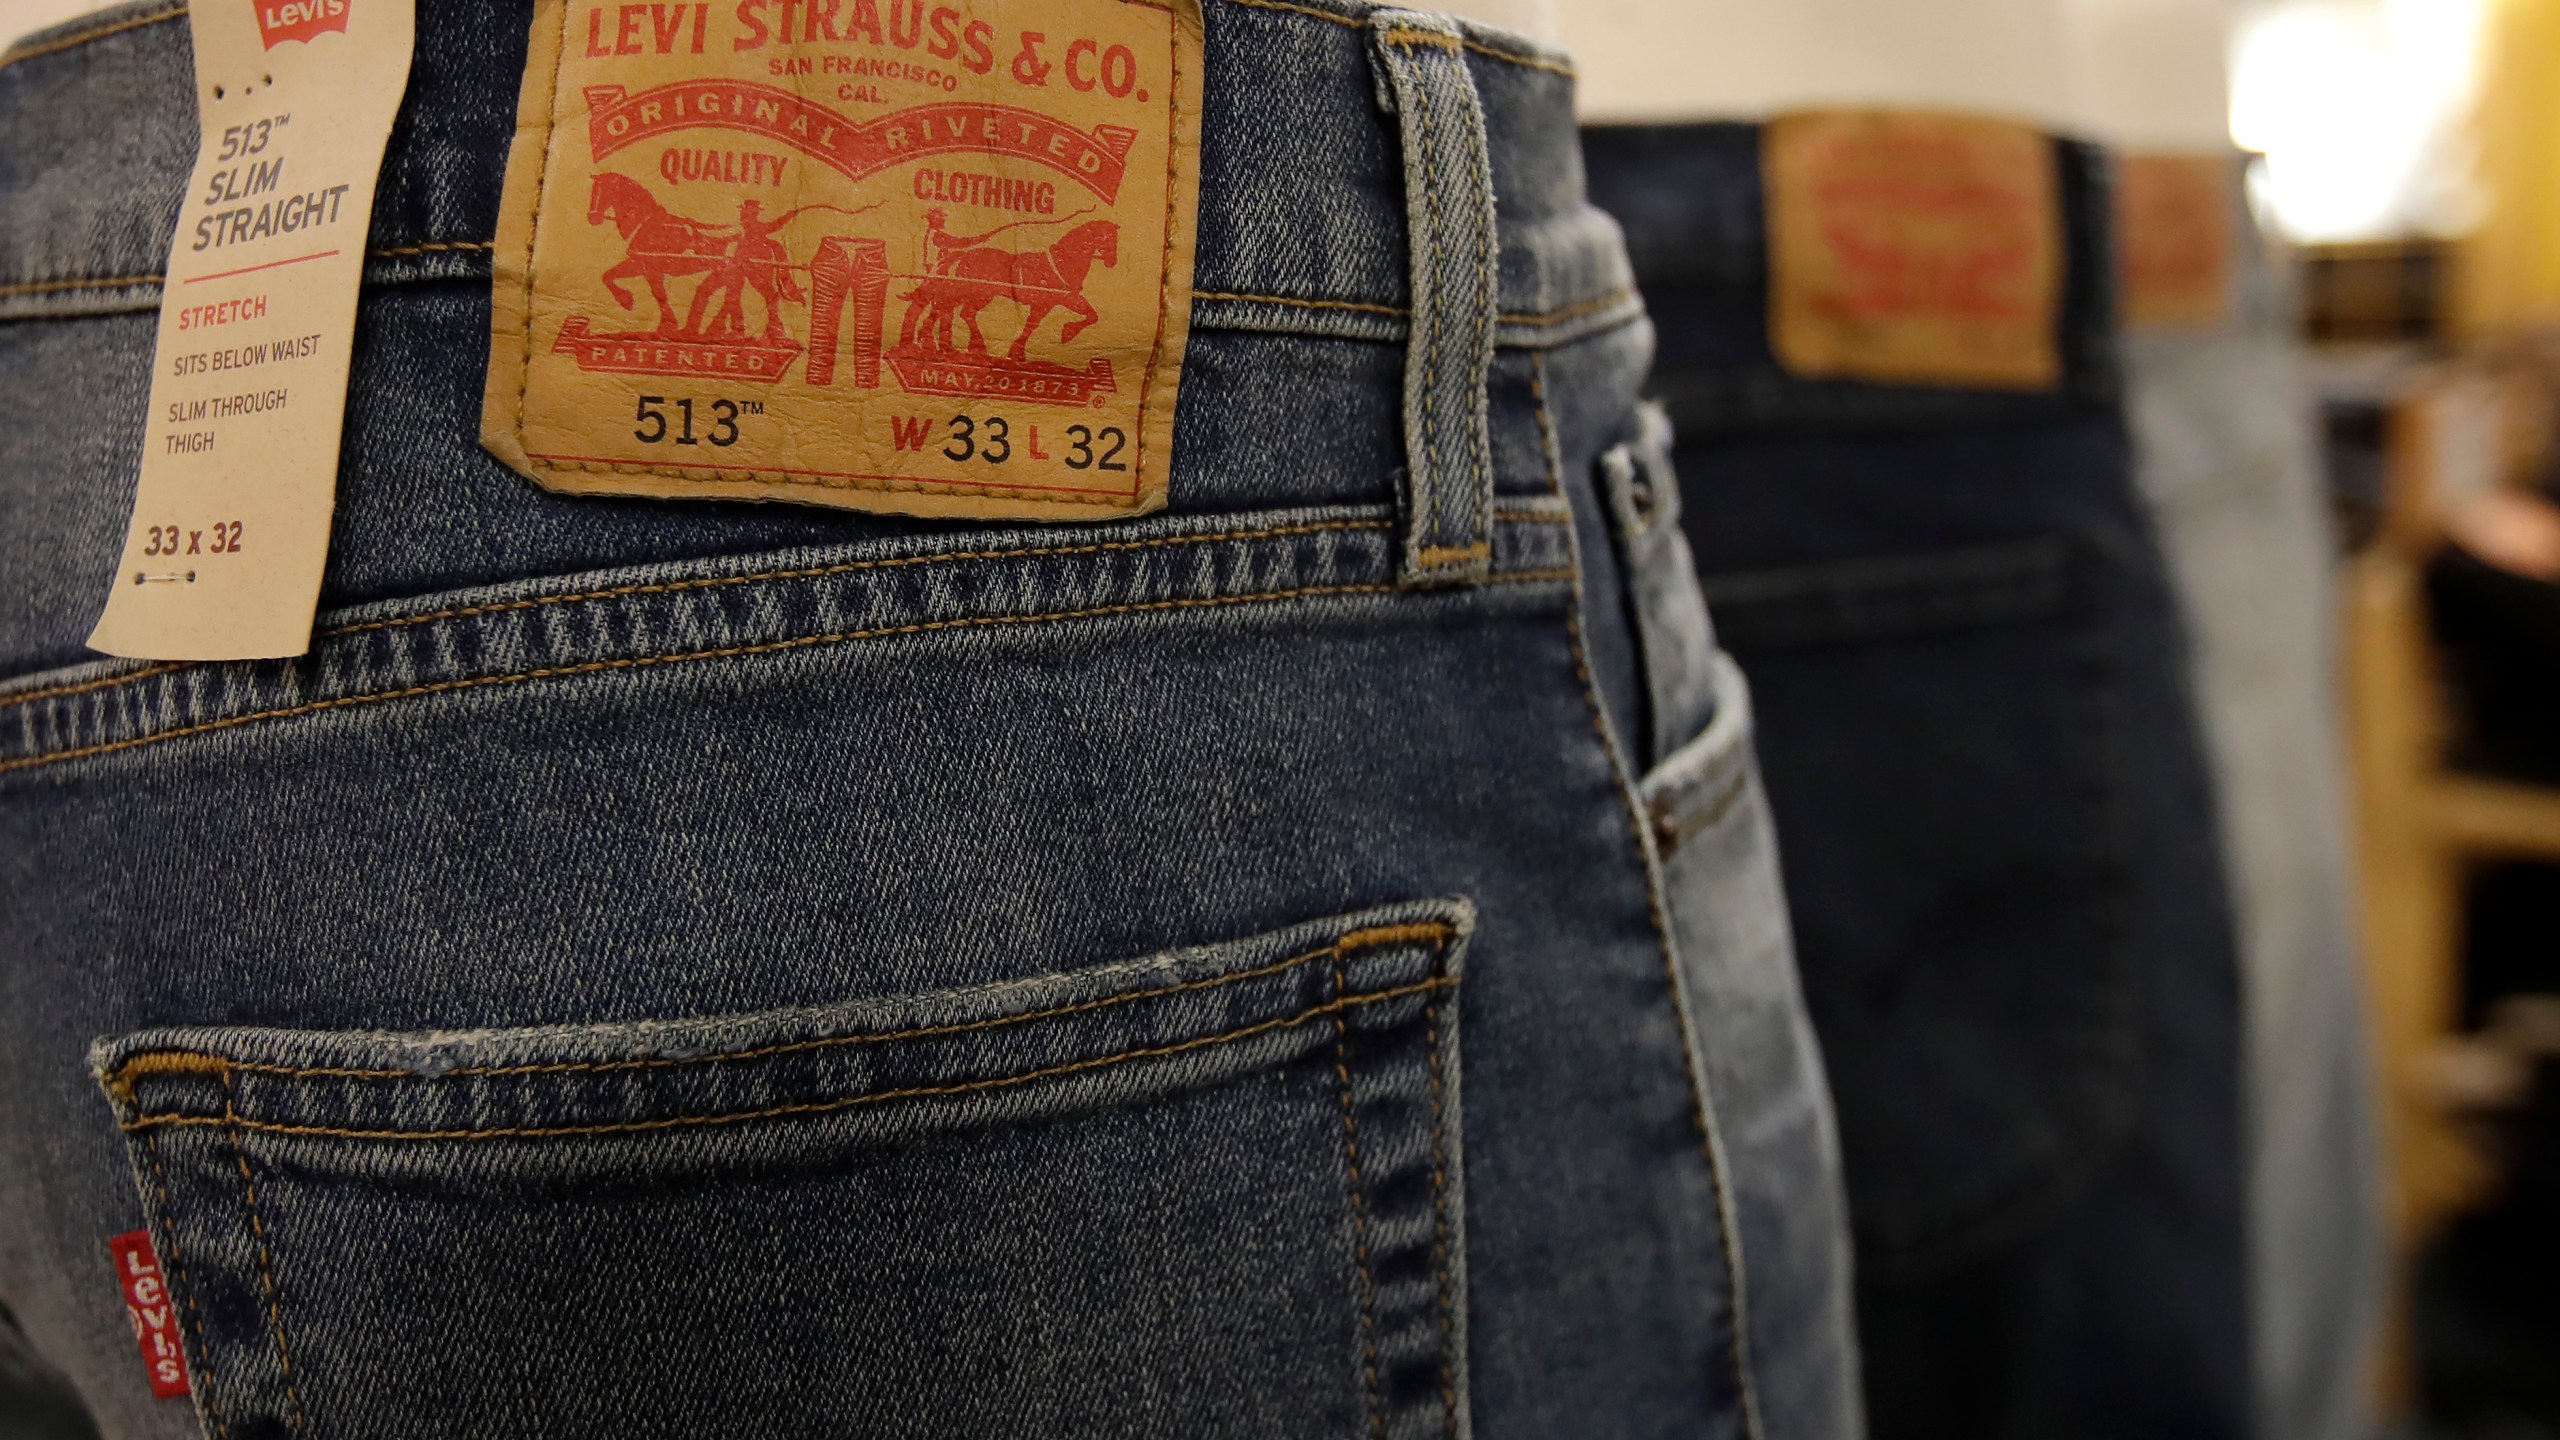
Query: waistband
x=1303, y=203
x=1691, y=202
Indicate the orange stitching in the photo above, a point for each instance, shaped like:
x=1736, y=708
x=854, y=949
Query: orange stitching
x=1532, y=61
x=768, y=647
x=1574, y=311
x=850, y=566
x=102, y=682
x=1670, y=960
x=1432, y=930
x=810, y=1107
x=434, y=246
x=1439, y=1217
x=1433, y=38
x=1359, y=1210
x=1356, y=940
x=85, y=36
x=178, y=1267
x=1579, y=308
x=1396, y=310
x=1446, y=554
x=1301, y=10
x=266, y=1262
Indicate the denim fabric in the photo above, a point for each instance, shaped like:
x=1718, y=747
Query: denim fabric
x=1999, y=840
x=677, y=969
x=2223, y=427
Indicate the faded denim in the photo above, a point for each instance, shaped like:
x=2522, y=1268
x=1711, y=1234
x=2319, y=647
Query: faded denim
x=1999, y=842
x=2224, y=428
x=678, y=969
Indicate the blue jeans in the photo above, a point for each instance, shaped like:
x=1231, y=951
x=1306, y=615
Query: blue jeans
x=1999, y=837
x=2224, y=428
x=678, y=968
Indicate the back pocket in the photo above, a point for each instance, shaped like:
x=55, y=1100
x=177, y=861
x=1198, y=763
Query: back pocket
x=1935, y=737
x=1209, y=1192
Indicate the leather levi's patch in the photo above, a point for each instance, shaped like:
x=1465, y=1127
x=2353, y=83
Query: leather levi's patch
x=2173, y=238
x=1913, y=248
x=925, y=256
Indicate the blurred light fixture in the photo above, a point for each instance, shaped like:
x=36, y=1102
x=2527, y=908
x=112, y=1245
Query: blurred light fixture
x=2359, y=107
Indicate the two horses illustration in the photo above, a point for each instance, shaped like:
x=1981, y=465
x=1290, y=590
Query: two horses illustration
x=968, y=273
x=660, y=244
x=971, y=276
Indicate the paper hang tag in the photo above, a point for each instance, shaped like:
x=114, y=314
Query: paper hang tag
x=1913, y=248
x=925, y=256
x=2173, y=237
x=230, y=526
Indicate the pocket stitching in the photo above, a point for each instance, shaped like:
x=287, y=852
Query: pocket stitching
x=1359, y=1208
x=813, y=1107
x=266, y=1262
x=1440, y=1214
x=167, y=1061
x=197, y=1380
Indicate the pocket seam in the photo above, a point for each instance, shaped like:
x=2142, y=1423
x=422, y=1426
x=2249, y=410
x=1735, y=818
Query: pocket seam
x=170, y=1061
x=266, y=1265
x=1359, y=1208
x=813, y=1107
x=166, y=1234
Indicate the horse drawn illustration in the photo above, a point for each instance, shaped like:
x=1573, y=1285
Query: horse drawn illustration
x=942, y=346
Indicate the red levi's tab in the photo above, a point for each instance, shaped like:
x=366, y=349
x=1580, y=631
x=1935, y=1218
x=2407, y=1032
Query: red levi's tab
x=282, y=20
x=153, y=1310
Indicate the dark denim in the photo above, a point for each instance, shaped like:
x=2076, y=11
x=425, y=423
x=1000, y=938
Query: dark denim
x=1999, y=838
x=678, y=969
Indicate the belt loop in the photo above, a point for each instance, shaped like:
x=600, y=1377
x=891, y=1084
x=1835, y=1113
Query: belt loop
x=1448, y=183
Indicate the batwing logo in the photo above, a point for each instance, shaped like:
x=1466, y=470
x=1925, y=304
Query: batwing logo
x=973, y=308
x=282, y=20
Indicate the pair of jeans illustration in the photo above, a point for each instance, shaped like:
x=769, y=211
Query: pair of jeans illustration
x=667, y=968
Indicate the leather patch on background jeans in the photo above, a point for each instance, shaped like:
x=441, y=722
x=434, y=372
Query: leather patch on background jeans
x=1913, y=248
x=2173, y=238
x=925, y=256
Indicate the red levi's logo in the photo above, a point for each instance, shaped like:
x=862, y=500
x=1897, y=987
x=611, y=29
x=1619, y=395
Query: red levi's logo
x=153, y=1311
x=282, y=20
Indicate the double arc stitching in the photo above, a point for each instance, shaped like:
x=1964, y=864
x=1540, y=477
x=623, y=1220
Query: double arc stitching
x=1357, y=940
x=812, y=1107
